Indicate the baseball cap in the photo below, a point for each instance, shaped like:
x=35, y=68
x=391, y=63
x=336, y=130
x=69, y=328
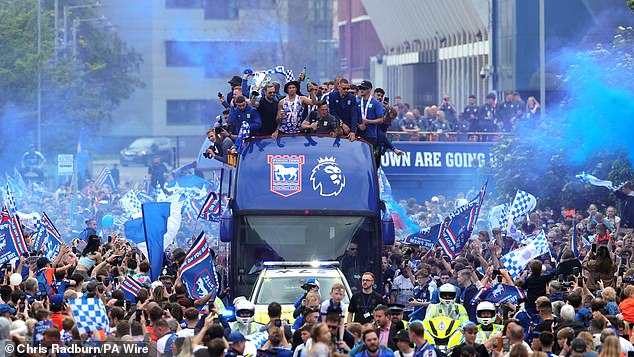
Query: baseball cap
x=4, y=308
x=365, y=85
x=236, y=337
x=57, y=299
x=402, y=335
x=579, y=345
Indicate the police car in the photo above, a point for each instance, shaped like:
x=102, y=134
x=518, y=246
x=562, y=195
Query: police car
x=281, y=282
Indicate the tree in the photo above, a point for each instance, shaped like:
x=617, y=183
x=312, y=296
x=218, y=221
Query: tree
x=79, y=93
x=588, y=132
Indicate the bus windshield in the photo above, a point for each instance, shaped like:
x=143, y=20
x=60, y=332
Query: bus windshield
x=351, y=240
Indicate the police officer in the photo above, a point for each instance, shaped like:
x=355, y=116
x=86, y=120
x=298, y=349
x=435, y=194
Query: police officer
x=447, y=305
x=245, y=311
x=486, y=314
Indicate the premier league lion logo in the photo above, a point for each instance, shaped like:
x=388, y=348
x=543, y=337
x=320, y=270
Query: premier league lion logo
x=327, y=177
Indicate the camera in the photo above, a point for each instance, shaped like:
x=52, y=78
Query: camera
x=566, y=284
x=278, y=323
x=496, y=272
x=207, y=155
x=307, y=286
x=386, y=99
x=219, y=95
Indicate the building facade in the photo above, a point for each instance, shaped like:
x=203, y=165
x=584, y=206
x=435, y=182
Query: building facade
x=191, y=48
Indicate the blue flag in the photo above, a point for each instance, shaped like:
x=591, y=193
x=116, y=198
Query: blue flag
x=426, y=237
x=499, y=293
x=161, y=222
x=210, y=208
x=198, y=272
x=9, y=245
x=130, y=288
x=385, y=189
x=457, y=227
x=135, y=233
x=49, y=238
x=105, y=178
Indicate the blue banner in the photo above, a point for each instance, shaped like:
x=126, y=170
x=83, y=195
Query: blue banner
x=306, y=173
x=437, y=158
x=210, y=208
x=198, y=272
x=499, y=293
x=155, y=217
x=135, y=232
x=426, y=237
x=130, y=288
x=10, y=245
x=49, y=238
x=457, y=227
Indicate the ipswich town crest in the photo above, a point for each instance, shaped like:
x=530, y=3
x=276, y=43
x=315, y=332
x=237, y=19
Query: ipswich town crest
x=286, y=174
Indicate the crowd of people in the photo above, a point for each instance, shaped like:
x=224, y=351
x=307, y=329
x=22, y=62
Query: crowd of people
x=578, y=299
x=475, y=122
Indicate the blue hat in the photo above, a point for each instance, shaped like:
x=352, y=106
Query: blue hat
x=57, y=299
x=4, y=308
x=312, y=281
x=236, y=337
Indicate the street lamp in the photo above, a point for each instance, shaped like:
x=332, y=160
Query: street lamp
x=67, y=10
x=76, y=23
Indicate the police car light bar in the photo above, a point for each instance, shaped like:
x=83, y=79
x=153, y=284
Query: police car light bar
x=314, y=264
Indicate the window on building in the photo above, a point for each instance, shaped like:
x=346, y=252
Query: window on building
x=221, y=9
x=184, y=4
x=188, y=112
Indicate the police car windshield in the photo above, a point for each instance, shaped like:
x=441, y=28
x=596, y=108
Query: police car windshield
x=286, y=290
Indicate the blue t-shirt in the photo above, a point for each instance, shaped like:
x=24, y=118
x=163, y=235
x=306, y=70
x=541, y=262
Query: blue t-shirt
x=282, y=352
x=375, y=110
x=250, y=115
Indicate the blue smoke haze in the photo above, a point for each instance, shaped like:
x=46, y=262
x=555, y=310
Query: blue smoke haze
x=598, y=113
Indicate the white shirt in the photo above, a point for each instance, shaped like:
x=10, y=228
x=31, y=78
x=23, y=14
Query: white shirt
x=405, y=289
x=188, y=332
x=160, y=344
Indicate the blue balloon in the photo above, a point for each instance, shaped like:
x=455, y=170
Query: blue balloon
x=107, y=221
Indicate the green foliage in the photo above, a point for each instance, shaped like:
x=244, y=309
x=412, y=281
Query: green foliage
x=78, y=93
x=550, y=176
